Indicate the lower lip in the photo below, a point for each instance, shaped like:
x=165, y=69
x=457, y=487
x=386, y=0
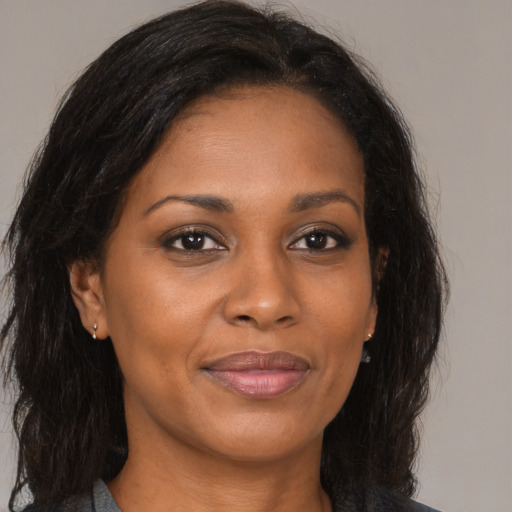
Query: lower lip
x=258, y=383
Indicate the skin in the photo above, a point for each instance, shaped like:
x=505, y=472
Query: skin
x=256, y=285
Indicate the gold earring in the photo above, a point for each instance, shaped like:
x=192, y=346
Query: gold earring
x=95, y=327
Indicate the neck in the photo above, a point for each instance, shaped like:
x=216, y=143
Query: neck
x=175, y=477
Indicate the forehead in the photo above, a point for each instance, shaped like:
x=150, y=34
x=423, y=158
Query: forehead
x=250, y=141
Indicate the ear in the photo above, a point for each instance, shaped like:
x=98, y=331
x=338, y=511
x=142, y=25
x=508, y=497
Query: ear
x=371, y=319
x=87, y=294
x=381, y=261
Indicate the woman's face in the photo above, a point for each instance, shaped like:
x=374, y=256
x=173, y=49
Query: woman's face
x=237, y=284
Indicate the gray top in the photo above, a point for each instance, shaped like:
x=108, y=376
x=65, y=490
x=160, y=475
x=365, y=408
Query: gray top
x=100, y=500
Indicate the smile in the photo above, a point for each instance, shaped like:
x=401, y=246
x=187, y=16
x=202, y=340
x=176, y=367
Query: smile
x=258, y=375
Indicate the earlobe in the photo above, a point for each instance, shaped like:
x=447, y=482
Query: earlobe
x=372, y=320
x=87, y=294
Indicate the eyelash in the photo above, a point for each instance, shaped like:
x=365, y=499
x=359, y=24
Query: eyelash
x=341, y=241
x=168, y=242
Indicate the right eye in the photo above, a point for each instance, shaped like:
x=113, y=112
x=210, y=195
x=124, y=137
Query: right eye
x=192, y=240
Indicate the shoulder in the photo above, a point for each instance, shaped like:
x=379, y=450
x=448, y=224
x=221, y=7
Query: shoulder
x=82, y=503
x=383, y=500
x=418, y=507
x=376, y=499
x=98, y=499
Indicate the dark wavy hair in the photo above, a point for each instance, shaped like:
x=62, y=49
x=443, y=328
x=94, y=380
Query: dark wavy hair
x=69, y=415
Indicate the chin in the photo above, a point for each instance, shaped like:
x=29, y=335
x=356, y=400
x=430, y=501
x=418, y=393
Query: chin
x=265, y=440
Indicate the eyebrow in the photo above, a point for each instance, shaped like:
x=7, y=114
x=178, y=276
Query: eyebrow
x=211, y=203
x=299, y=203
x=303, y=202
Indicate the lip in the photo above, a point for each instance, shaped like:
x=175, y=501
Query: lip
x=258, y=375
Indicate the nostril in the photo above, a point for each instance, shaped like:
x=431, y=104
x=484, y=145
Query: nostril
x=247, y=319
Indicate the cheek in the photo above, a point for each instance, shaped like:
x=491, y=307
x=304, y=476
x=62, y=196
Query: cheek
x=157, y=318
x=342, y=305
x=143, y=298
x=342, y=312
x=145, y=321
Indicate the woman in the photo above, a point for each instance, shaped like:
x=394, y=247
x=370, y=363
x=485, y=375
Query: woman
x=226, y=290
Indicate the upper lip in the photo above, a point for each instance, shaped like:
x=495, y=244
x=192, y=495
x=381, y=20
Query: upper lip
x=254, y=360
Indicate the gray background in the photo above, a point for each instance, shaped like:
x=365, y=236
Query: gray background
x=448, y=64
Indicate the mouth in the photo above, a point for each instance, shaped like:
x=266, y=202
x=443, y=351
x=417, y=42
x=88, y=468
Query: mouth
x=258, y=375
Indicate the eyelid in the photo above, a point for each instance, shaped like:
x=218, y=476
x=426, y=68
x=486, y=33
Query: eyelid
x=173, y=235
x=343, y=241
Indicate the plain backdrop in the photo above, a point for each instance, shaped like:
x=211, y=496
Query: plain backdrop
x=448, y=65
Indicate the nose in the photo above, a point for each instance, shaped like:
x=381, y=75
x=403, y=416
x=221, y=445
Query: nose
x=263, y=294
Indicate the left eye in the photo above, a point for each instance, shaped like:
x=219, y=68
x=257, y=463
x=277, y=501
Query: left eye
x=193, y=241
x=318, y=240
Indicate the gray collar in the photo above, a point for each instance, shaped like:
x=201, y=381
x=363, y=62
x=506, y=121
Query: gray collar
x=102, y=500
